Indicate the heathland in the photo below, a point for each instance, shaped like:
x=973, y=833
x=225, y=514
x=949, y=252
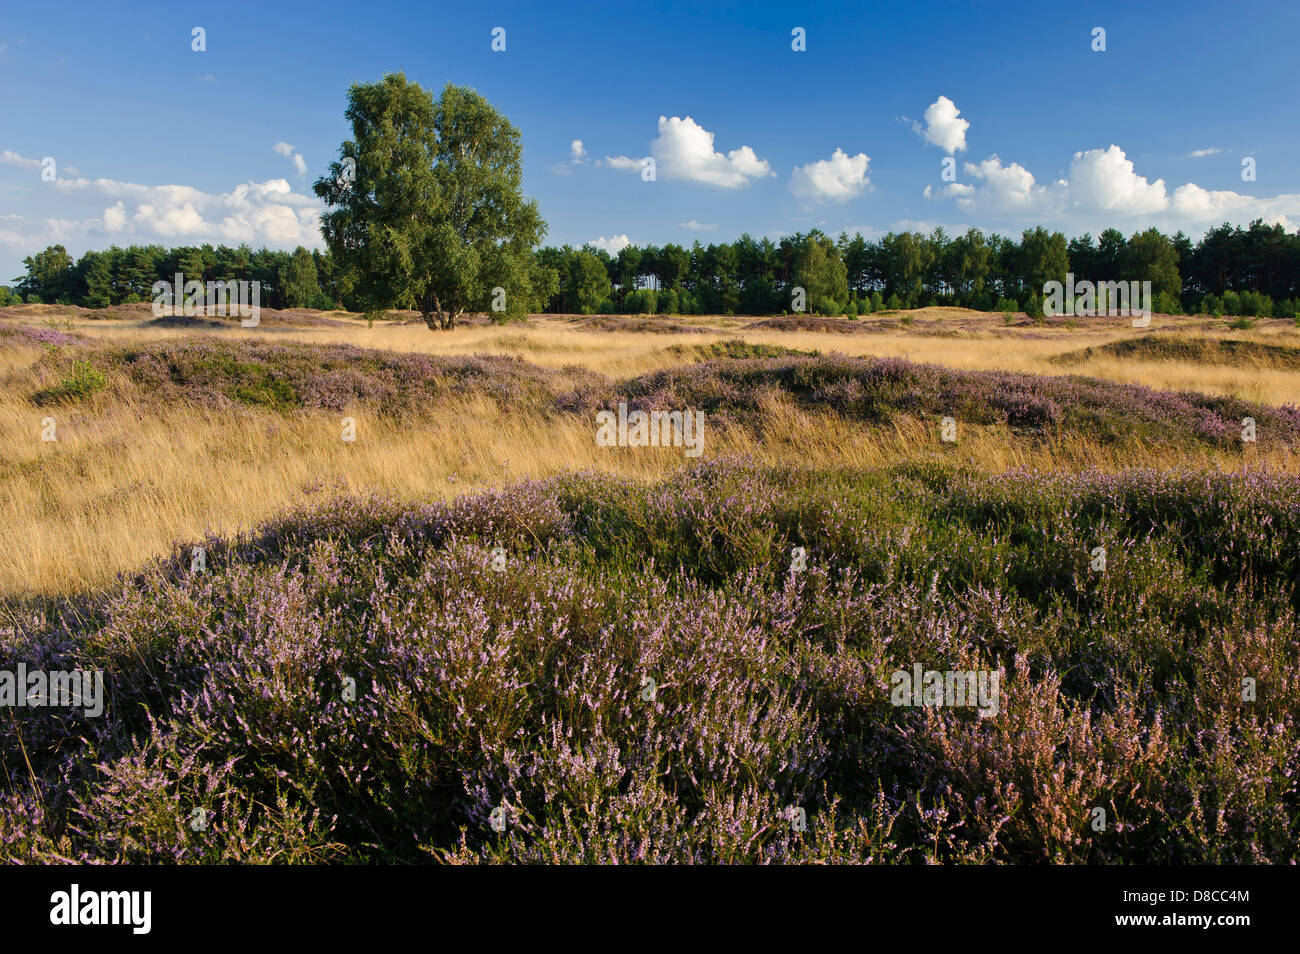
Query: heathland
x=434, y=619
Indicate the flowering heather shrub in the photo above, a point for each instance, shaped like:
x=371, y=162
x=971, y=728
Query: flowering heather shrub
x=806, y=323
x=328, y=377
x=733, y=388
x=647, y=679
x=1171, y=347
x=25, y=335
x=881, y=389
x=625, y=323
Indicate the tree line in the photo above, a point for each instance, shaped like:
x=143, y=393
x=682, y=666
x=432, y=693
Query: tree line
x=116, y=276
x=1231, y=270
x=1252, y=271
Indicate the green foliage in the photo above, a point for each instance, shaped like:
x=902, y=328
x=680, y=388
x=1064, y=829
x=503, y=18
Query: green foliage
x=819, y=271
x=1150, y=256
x=83, y=381
x=435, y=215
x=1043, y=257
x=299, y=282
x=1253, y=272
x=1034, y=308
x=588, y=282
x=1166, y=303
x=643, y=301
x=49, y=275
x=1256, y=304
x=95, y=279
x=1248, y=303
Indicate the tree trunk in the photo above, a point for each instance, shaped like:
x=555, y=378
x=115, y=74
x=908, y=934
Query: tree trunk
x=439, y=318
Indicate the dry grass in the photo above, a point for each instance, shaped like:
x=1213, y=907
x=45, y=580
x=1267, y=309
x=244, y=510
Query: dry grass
x=123, y=482
x=955, y=337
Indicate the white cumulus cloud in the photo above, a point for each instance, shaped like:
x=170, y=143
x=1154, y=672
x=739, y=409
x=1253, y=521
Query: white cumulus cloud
x=266, y=213
x=1103, y=189
x=837, y=179
x=1009, y=188
x=1104, y=179
x=943, y=126
x=684, y=150
x=613, y=245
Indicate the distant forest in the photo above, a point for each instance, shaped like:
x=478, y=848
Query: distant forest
x=1253, y=271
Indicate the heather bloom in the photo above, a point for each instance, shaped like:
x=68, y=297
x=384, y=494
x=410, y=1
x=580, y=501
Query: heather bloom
x=356, y=682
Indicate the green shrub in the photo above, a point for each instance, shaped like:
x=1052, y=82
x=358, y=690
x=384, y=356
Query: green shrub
x=1256, y=304
x=643, y=301
x=84, y=381
x=1167, y=304
x=1034, y=308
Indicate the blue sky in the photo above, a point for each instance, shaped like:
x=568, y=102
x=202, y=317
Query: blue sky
x=155, y=142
